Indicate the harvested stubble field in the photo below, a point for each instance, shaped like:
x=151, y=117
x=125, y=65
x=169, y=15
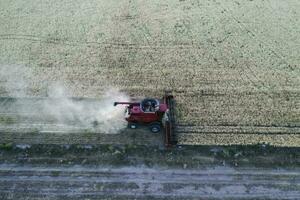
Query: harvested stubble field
x=232, y=65
x=42, y=172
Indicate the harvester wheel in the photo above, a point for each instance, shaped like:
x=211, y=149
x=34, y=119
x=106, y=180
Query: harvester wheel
x=155, y=127
x=132, y=125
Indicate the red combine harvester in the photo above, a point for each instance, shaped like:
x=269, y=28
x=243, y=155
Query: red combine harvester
x=154, y=113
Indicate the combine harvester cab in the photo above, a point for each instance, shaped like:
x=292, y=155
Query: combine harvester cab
x=154, y=113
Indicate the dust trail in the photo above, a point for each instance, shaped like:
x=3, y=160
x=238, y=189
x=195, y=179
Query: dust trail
x=59, y=105
x=100, y=115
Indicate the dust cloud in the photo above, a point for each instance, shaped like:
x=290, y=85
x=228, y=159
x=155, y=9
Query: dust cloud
x=58, y=103
x=100, y=114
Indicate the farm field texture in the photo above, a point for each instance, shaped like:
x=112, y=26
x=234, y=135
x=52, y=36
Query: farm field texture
x=141, y=172
x=233, y=66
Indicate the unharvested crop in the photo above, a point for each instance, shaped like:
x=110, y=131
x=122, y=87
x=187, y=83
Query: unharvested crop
x=228, y=63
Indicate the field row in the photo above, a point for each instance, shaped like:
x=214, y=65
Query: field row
x=22, y=121
x=79, y=182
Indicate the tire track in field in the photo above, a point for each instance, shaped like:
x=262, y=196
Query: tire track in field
x=78, y=181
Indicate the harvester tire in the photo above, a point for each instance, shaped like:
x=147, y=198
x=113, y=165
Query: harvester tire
x=155, y=127
x=132, y=125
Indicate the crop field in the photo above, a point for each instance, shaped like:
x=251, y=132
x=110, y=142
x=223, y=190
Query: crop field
x=233, y=66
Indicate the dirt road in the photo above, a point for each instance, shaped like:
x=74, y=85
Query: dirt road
x=82, y=182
